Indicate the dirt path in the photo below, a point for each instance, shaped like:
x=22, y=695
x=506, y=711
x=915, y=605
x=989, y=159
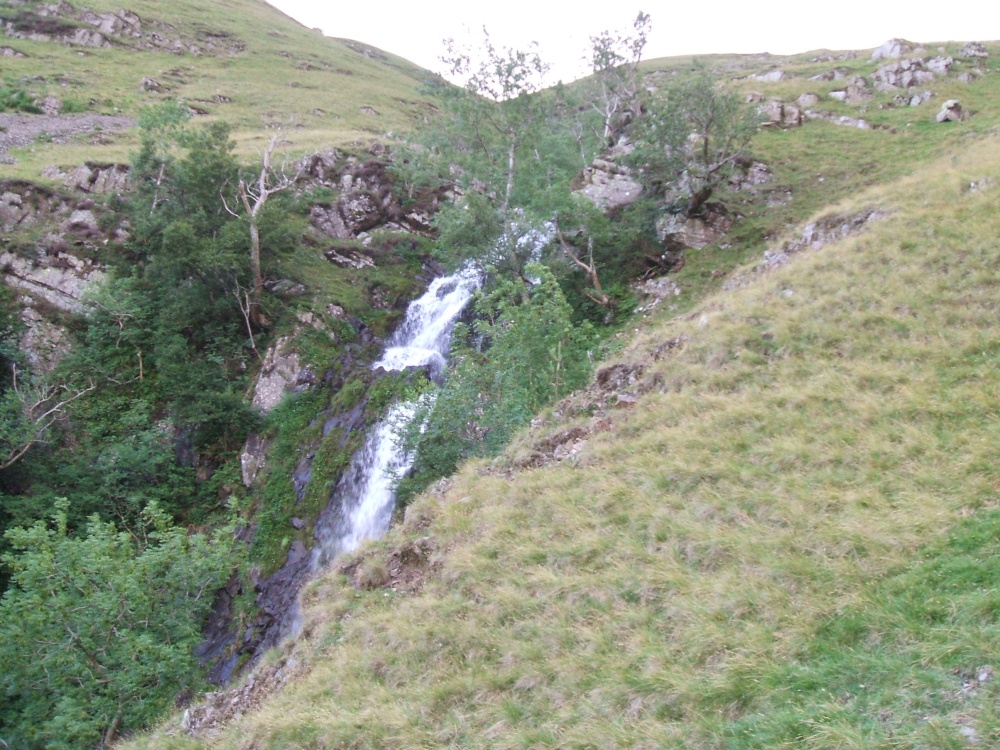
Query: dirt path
x=18, y=131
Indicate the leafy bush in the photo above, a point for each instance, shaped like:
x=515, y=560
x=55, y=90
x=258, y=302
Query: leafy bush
x=97, y=633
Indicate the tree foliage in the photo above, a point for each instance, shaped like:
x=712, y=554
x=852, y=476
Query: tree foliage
x=97, y=632
x=614, y=59
x=510, y=155
x=690, y=138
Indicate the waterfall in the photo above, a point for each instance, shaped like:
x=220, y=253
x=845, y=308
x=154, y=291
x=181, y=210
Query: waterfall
x=364, y=499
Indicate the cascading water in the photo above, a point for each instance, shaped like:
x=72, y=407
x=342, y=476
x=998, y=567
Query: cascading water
x=365, y=496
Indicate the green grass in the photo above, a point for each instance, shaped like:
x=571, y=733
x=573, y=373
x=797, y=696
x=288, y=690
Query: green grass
x=790, y=541
x=318, y=87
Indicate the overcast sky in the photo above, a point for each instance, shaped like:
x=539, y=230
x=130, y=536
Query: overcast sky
x=414, y=30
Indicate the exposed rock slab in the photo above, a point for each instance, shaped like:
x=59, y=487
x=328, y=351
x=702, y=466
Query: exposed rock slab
x=61, y=281
x=893, y=49
x=279, y=375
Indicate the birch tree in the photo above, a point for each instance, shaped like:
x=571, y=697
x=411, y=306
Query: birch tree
x=254, y=194
x=614, y=58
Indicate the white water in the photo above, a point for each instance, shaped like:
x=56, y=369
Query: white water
x=365, y=495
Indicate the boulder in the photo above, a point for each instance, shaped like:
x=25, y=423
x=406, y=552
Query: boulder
x=808, y=100
x=608, y=184
x=679, y=232
x=922, y=98
x=51, y=106
x=778, y=114
x=829, y=75
x=893, y=49
x=10, y=52
x=856, y=95
x=86, y=38
x=974, y=49
x=940, y=65
x=840, y=96
x=748, y=175
x=953, y=111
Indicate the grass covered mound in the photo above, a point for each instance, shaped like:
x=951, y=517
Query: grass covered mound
x=789, y=540
x=240, y=61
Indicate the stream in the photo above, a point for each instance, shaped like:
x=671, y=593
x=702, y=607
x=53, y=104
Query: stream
x=364, y=499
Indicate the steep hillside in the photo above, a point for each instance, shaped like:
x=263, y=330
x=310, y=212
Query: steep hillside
x=240, y=61
x=771, y=520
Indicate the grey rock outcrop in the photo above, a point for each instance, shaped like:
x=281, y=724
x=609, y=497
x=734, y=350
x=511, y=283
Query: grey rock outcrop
x=833, y=74
x=60, y=280
x=814, y=236
x=279, y=375
x=974, y=49
x=679, y=232
x=902, y=74
x=917, y=99
x=366, y=200
x=853, y=94
x=748, y=175
x=43, y=342
x=779, y=114
x=941, y=65
x=253, y=458
x=98, y=178
x=609, y=185
x=892, y=49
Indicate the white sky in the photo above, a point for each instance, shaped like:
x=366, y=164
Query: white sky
x=414, y=30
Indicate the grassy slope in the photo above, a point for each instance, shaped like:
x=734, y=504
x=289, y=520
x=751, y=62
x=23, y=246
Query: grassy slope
x=789, y=542
x=320, y=106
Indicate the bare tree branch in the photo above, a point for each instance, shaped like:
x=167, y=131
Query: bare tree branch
x=39, y=409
